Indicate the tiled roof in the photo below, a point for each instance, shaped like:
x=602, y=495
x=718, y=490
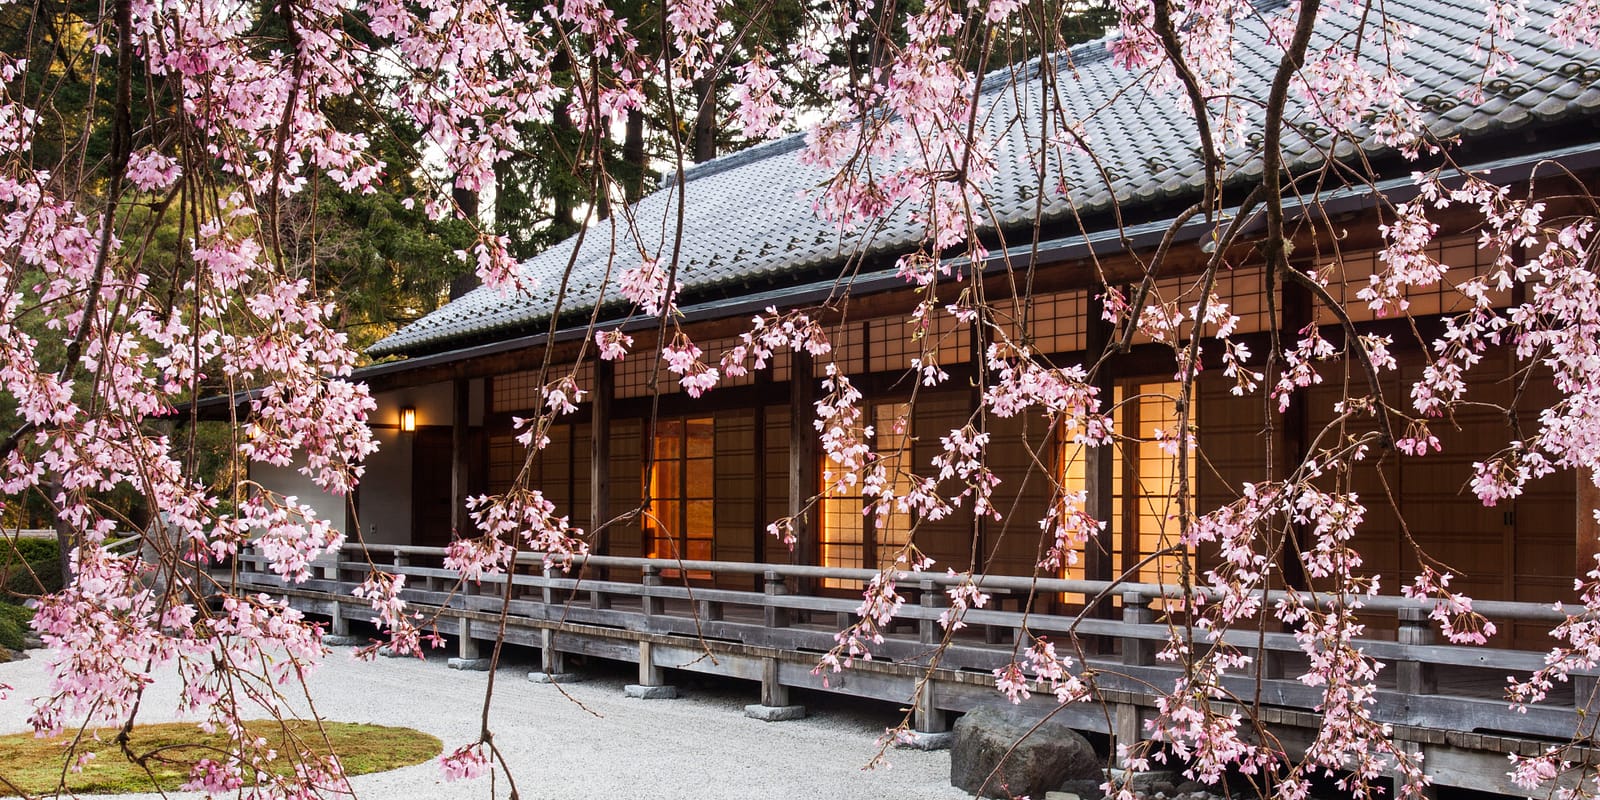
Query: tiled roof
x=747, y=217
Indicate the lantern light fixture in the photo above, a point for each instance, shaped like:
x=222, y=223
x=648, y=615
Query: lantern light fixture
x=408, y=420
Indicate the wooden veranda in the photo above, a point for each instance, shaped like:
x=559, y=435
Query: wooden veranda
x=1443, y=700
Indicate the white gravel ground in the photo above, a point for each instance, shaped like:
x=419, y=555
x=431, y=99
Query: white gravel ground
x=700, y=746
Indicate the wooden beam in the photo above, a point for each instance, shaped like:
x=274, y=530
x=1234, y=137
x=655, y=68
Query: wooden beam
x=1588, y=528
x=460, y=416
x=600, y=454
x=1098, y=468
x=803, y=457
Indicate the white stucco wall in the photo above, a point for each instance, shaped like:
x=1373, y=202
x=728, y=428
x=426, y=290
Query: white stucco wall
x=288, y=481
x=385, y=508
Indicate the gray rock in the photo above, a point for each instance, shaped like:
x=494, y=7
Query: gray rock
x=333, y=640
x=926, y=740
x=642, y=692
x=994, y=735
x=559, y=677
x=774, y=713
x=1061, y=796
x=469, y=664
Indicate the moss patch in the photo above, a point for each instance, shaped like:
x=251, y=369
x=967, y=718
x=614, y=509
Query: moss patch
x=35, y=765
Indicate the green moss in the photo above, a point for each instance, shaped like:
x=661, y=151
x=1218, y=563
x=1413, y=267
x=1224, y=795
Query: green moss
x=37, y=766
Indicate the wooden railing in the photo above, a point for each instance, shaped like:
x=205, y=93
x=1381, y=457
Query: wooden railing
x=1436, y=685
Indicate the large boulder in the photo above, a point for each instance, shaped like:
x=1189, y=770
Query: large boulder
x=1036, y=760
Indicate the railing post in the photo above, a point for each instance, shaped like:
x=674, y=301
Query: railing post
x=546, y=593
x=468, y=648
x=402, y=560
x=774, y=586
x=1136, y=611
x=928, y=628
x=652, y=577
x=1415, y=675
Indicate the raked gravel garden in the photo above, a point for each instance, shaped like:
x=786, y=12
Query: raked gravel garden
x=590, y=743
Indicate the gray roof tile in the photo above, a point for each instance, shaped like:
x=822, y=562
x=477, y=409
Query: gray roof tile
x=748, y=215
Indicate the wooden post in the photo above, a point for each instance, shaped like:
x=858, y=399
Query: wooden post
x=773, y=616
x=550, y=659
x=1098, y=468
x=459, y=420
x=803, y=457
x=927, y=717
x=340, y=626
x=649, y=673
x=1136, y=611
x=649, y=604
x=468, y=646
x=1588, y=544
x=773, y=692
x=600, y=457
x=1415, y=675
x=928, y=629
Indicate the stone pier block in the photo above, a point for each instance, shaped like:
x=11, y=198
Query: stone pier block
x=469, y=664
x=642, y=692
x=774, y=713
x=340, y=641
x=926, y=740
x=557, y=677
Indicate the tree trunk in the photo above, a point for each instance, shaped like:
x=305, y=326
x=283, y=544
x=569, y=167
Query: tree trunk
x=633, y=157
x=705, y=120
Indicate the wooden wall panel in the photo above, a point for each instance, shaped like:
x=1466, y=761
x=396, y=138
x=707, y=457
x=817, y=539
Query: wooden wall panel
x=626, y=486
x=777, y=481
x=949, y=541
x=735, y=491
x=1022, y=455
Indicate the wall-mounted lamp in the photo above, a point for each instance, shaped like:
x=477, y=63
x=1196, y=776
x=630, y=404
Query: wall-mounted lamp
x=408, y=420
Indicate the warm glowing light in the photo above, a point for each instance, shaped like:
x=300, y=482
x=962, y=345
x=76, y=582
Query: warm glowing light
x=408, y=419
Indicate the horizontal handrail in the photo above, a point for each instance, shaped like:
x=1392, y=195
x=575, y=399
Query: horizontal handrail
x=1497, y=609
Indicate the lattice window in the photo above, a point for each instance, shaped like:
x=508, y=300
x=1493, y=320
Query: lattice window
x=1055, y=322
x=1350, y=274
x=1144, y=487
x=851, y=537
x=682, y=523
x=714, y=348
x=892, y=347
x=849, y=349
x=520, y=391
x=633, y=374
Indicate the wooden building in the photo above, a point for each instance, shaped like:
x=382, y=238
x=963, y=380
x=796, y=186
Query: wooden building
x=729, y=463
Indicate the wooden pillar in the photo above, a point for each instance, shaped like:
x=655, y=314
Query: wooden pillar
x=926, y=716
x=774, y=586
x=1098, y=468
x=460, y=416
x=773, y=692
x=649, y=604
x=1415, y=676
x=649, y=673
x=1588, y=544
x=1136, y=611
x=600, y=455
x=803, y=458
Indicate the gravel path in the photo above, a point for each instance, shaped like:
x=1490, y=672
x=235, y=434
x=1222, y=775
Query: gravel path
x=700, y=746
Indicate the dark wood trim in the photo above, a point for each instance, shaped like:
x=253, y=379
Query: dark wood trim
x=600, y=454
x=803, y=460
x=460, y=419
x=1098, y=469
